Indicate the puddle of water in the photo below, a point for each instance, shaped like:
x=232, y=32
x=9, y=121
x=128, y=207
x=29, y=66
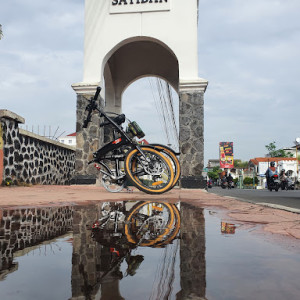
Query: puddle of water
x=42, y=272
x=138, y=250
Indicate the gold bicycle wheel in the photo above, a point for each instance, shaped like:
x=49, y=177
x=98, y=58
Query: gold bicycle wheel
x=152, y=224
x=174, y=161
x=150, y=171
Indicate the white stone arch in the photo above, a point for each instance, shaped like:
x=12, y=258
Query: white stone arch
x=170, y=27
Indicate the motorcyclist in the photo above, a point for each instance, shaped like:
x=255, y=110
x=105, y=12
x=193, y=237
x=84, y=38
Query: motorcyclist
x=283, y=179
x=223, y=180
x=282, y=175
x=271, y=171
x=229, y=181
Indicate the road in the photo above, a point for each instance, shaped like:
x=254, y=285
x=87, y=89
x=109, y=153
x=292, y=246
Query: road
x=288, y=200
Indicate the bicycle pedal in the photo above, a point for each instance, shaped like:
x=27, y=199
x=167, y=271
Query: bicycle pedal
x=97, y=166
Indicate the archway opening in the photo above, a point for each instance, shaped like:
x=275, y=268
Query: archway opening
x=154, y=104
x=134, y=59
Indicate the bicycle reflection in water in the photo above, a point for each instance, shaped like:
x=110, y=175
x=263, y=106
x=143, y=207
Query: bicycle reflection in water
x=120, y=230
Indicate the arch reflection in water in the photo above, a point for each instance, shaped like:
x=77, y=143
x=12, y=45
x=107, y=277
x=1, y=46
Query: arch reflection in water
x=120, y=246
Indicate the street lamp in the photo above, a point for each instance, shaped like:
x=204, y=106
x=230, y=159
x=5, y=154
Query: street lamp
x=297, y=142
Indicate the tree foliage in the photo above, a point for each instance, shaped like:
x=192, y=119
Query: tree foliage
x=249, y=180
x=214, y=174
x=240, y=164
x=1, y=34
x=274, y=152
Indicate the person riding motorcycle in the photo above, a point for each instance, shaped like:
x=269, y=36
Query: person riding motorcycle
x=271, y=171
x=283, y=179
x=282, y=175
x=229, y=181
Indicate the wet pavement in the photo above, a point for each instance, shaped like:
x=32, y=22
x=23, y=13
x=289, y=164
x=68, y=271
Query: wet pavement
x=287, y=200
x=85, y=243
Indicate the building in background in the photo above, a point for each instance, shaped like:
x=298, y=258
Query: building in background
x=259, y=165
x=69, y=139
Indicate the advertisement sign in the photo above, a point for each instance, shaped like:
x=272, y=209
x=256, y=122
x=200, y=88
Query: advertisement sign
x=134, y=6
x=226, y=155
x=227, y=228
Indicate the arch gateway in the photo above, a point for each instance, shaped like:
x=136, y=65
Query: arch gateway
x=129, y=39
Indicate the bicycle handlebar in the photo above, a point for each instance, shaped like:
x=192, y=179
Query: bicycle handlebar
x=97, y=93
x=91, y=106
x=116, y=122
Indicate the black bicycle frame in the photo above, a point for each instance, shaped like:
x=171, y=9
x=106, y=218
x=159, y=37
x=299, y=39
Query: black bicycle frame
x=118, y=142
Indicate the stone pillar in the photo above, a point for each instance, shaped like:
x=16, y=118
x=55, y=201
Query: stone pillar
x=88, y=140
x=192, y=253
x=191, y=134
x=86, y=257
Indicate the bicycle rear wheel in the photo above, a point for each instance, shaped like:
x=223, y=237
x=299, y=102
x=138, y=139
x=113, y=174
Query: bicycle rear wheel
x=150, y=171
x=111, y=177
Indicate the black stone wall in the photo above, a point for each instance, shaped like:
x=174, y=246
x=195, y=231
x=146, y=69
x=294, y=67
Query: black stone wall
x=26, y=227
x=31, y=159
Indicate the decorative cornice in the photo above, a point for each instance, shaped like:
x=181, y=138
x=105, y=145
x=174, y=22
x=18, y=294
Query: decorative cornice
x=193, y=85
x=44, y=139
x=7, y=114
x=83, y=88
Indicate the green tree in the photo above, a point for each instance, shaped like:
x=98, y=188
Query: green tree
x=240, y=164
x=1, y=34
x=214, y=174
x=274, y=152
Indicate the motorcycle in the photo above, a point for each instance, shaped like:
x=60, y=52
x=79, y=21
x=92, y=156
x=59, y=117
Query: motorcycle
x=274, y=183
x=224, y=183
x=287, y=184
x=209, y=184
x=230, y=184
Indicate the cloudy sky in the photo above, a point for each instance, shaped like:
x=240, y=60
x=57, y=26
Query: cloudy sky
x=249, y=51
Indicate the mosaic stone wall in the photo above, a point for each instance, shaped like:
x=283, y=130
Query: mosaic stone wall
x=88, y=141
x=86, y=257
x=192, y=253
x=191, y=139
x=22, y=228
x=29, y=158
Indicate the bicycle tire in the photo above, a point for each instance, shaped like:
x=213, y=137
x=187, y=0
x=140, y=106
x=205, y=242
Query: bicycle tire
x=111, y=185
x=146, y=176
x=174, y=160
x=165, y=236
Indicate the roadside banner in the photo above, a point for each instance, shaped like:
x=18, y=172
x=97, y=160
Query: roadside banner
x=226, y=155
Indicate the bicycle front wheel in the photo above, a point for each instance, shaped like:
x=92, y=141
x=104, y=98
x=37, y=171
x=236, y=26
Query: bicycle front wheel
x=170, y=154
x=152, y=224
x=149, y=170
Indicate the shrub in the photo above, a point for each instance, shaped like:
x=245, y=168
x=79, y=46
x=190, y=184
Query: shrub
x=249, y=180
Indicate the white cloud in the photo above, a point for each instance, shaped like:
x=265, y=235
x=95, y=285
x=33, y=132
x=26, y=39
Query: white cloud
x=248, y=50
